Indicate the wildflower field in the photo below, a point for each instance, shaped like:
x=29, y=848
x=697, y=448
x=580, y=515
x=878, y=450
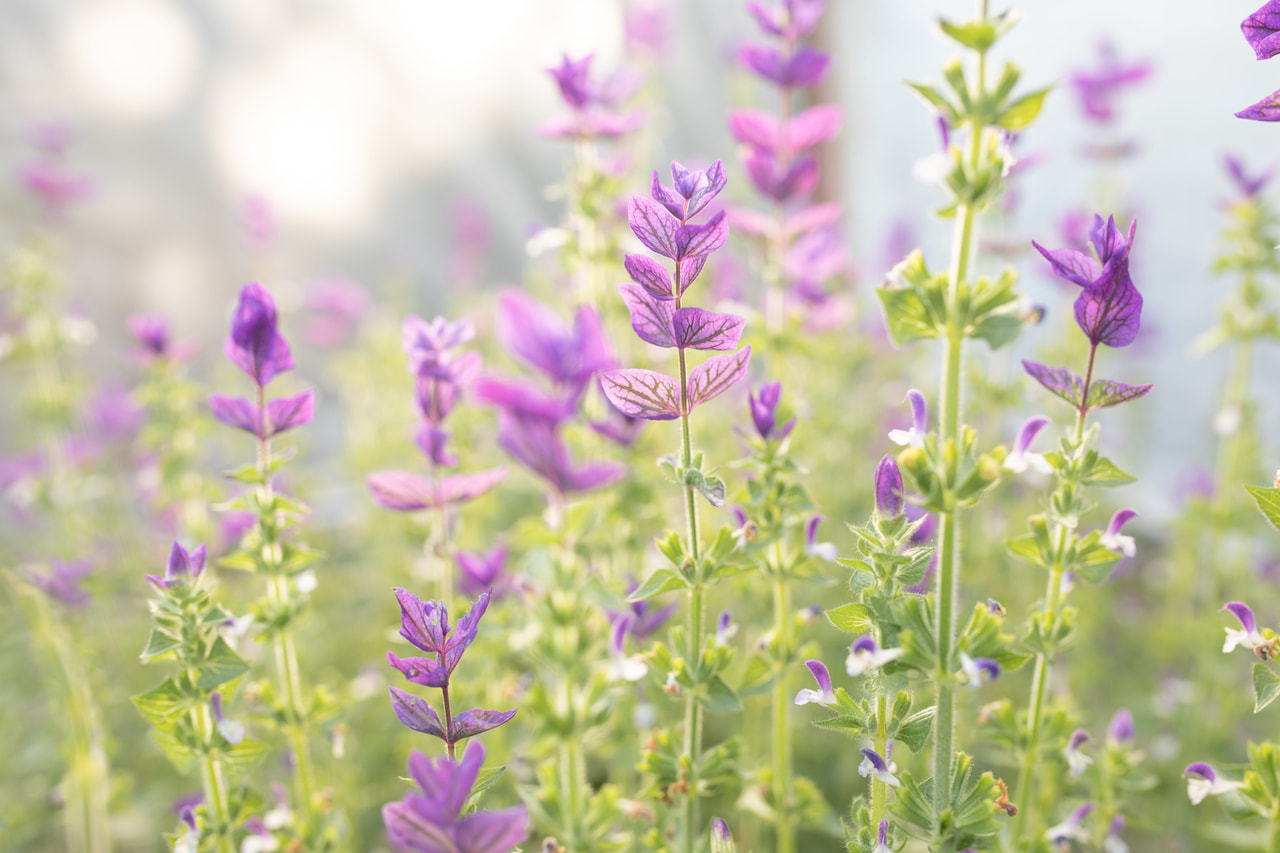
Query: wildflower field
x=706, y=529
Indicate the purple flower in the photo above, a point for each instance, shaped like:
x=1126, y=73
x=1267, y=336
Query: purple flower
x=1262, y=30
x=919, y=422
x=183, y=567
x=1249, y=187
x=1071, y=829
x=1109, y=308
x=407, y=492
x=231, y=731
x=535, y=334
x=641, y=617
x=1020, y=458
x=417, y=714
x=571, y=77
x=1077, y=761
x=788, y=21
x=764, y=411
x=781, y=180
x=432, y=821
x=536, y=442
x=1120, y=732
x=1102, y=392
x=592, y=104
x=430, y=345
x=874, y=766
x=818, y=550
x=1268, y=109
x=691, y=189
x=1248, y=635
x=256, y=345
x=152, y=331
x=889, y=489
x=725, y=628
x=1202, y=781
x=824, y=695
x=865, y=654
x=623, y=668
x=882, y=838
x=280, y=416
x=721, y=840
x=1098, y=87
x=425, y=624
x=487, y=571
x=654, y=396
x=62, y=583
x=978, y=671
x=1112, y=540
x=803, y=67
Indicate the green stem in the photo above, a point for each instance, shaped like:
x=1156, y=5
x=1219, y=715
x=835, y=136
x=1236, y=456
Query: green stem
x=879, y=790
x=215, y=792
x=782, y=796
x=1273, y=846
x=692, y=710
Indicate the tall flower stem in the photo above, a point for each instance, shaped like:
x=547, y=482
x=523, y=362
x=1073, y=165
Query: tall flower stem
x=949, y=430
x=1273, y=846
x=214, y=781
x=783, y=624
x=692, y=710
x=286, y=655
x=448, y=718
x=879, y=790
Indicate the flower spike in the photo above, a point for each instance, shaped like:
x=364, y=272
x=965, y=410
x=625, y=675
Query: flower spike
x=919, y=422
x=824, y=695
x=874, y=766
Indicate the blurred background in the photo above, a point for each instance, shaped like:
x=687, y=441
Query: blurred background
x=375, y=133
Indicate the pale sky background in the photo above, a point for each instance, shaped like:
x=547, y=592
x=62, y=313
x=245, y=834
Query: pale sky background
x=362, y=121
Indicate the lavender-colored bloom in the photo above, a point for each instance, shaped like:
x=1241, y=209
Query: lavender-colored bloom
x=655, y=396
x=764, y=411
x=818, y=550
x=1121, y=732
x=281, y=415
x=1202, y=782
x=566, y=355
x=978, y=671
x=779, y=180
x=641, y=617
x=622, y=667
x=1248, y=634
x=417, y=714
x=691, y=189
x=62, y=583
x=1268, y=109
x=430, y=345
x=1109, y=308
x=1098, y=87
x=425, y=624
x=1077, y=761
x=919, y=422
x=882, y=838
x=1249, y=187
x=1064, y=384
x=401, y=490
x=659, y=322
x=1113, y=843
x=789, y=20
x=256, y=345
x=889, y=488
x=1113, y=540
x=487, y=571
x=231, y=730
x=1020, y=458
x=721, y=840
x=536, y=442
x=184, y=567
x=433, y=822
x=571, y=77
x=824, y=695
x=726, y=628
x=865, y=654
x=874, y=766
x=804, y=67
x=1262, y=30
x=152, y=331
x=764, y=131
x=189, y=840
x=663, y=232
x=1071, y=829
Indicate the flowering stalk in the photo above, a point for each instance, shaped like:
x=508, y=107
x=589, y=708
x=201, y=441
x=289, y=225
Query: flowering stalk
x=257, y=348
x=664, y=225
x=952, y=308
x=1108, y=312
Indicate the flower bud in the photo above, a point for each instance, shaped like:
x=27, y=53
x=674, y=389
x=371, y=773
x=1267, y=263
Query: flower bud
x=889, y=488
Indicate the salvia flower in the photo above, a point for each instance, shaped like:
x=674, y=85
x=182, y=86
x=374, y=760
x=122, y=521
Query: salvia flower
x=764, y=410
x=889, y=489
x=1249, y=186
x=1109, y=307
x=1071, y=829
x=721, y=840
x=537, y=443
x=1262, y=30
x=1112, y=538
x=824, y=695
x=1203, y=781
x=231, y=730
x=1121, y=731
x=726, y=628
x=182, y=568
x=1077, y=761
x=919, y=422
x=568, y=355
x=152, y=332
x=882, y=838
x=1098, y=87
x=593, y=105
x=1021, y=458
x=417, y=714
x=1113, y=843
x=865, y=654
x=425, y=624
x=874, y=766
x=62, y=582
x=818, y=550
x=978, y=671
x=622, y=667
x=487, y=571
x=1248, y=633
x=189, y=840
x=256, y=345
x=433, y=822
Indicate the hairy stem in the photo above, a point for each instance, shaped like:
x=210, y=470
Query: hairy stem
x=692, y=710
x=782, y=796
x=211, y=775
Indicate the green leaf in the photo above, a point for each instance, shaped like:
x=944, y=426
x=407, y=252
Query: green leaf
x=487, y=779
x=1268, y=501
x=248, y=474
x=914, y=731
x=1025, y=547
x=847, y=723
x=720, y=697
x=975, y=35
x=713, y=489
x=1023, y=111
x=239, y=760
x=222, y=665
x=662, y=580
x=1266, y=686
x=241, y=561
x=906, y=315
x=852, y=618
x=1104, y=472
x=953, y=73
x=164, y=705
x=159, y=643
x=939, y=102
x=178, y=753
x=758, y=678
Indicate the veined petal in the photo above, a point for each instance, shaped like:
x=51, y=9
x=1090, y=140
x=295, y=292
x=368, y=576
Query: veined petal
x=416, y=713
x=472, y=723
x=642, y=393
x=698, y=328
x=657, y=229
x=651, y=317
x=716, y=375
x=289, y=412
x=237, y=412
